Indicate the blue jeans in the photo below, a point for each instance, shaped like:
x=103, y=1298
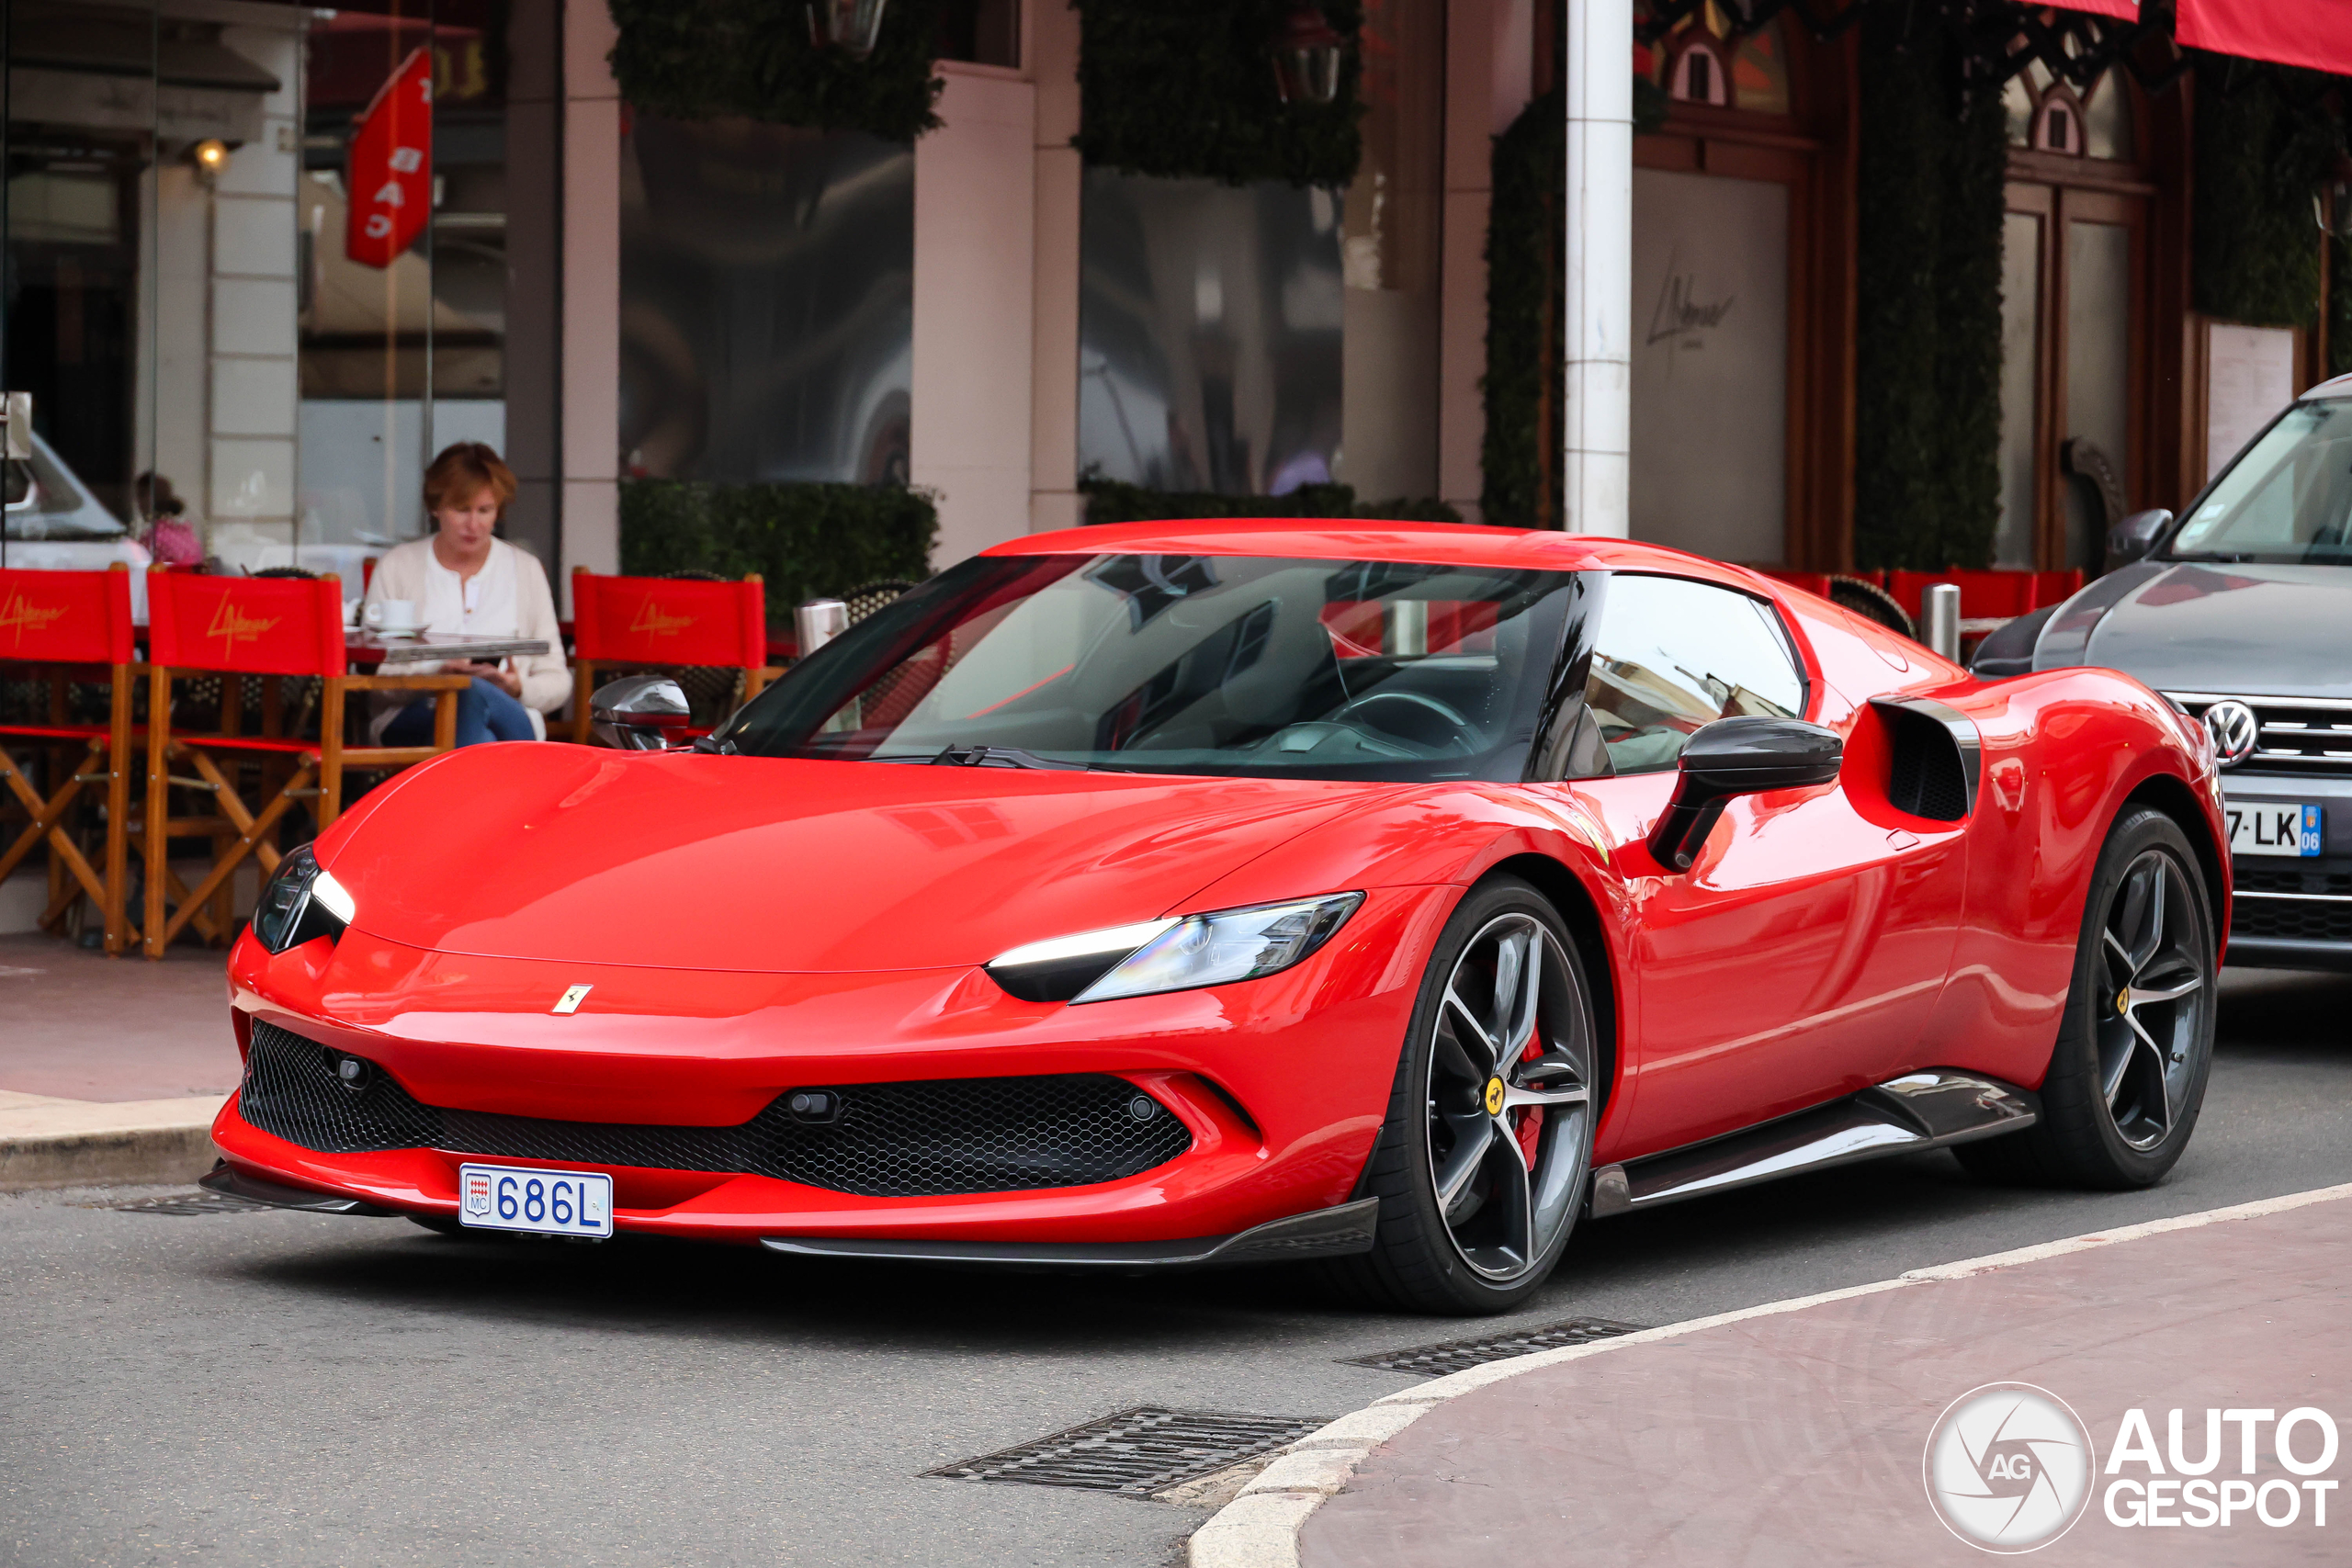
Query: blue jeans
x=484, y=713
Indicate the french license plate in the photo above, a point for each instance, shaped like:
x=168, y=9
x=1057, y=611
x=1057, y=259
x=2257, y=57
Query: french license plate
x=536, y=1201
x=2263, y=828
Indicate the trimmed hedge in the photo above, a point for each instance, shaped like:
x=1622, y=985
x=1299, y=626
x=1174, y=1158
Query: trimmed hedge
x=1185, y=88
x=1525, y=385
x=1109, y=501
x=2254, y=253
x=1928, y=355
x=804, y=540
x=754, y=58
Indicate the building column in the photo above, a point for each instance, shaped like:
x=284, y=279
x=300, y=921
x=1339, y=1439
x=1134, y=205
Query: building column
x=973, y=292
x=1600, y=248
x=1054, y=501
x=534, y=121
x=252, y=388
x=590, y=519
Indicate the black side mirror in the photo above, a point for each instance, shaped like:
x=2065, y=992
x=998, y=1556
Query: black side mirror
x=2134, y=536
x=1739, y=756
x=634, y=714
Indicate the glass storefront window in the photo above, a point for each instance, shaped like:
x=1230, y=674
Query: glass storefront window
x=767, y=302
x=198, y=341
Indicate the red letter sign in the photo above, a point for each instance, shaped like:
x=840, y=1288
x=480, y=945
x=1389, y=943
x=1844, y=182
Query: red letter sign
x=389, y=174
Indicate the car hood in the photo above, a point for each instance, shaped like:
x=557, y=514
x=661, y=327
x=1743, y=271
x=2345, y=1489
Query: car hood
x=2219, y=627
x=688, y=861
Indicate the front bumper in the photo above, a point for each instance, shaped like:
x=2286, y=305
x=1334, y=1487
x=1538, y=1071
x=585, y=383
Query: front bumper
x=1282, y=1083
x=2291, y=912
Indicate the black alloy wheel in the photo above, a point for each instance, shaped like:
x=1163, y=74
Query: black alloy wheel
x=2127, y=1077
x=1482, y=1162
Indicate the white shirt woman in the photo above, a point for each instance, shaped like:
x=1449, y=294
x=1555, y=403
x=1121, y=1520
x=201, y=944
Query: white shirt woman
x=465, y=582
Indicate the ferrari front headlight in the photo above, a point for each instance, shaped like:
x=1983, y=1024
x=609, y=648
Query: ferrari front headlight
x=1172, y=954
x=301, y=904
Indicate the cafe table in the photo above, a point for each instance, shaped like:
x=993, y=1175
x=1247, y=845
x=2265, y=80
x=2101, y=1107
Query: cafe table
x=368, y=649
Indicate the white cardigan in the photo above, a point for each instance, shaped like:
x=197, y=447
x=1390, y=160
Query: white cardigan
x=512, y=598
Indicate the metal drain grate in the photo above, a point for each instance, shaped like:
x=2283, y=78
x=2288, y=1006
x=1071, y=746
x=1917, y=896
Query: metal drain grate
x=1137, y=1452
x=1436, y=1360
x=186, y=1204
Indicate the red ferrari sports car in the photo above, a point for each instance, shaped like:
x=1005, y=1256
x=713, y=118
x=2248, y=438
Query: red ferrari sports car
x=1162, y=894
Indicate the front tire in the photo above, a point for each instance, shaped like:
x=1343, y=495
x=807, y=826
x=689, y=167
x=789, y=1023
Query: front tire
x=2127, y=1077
x=1481, y=1164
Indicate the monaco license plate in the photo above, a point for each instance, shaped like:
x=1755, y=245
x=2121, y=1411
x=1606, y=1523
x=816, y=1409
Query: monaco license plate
x=535, y=1201
x=2261, y=828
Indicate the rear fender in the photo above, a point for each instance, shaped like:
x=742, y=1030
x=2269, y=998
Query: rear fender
x=2065, y=753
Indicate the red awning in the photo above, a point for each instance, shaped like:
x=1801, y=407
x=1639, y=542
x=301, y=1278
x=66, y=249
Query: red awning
x=2312, y=33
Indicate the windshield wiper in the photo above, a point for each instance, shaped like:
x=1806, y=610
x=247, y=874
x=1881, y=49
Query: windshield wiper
x=998, y=757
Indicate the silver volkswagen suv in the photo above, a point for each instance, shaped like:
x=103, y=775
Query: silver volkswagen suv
x=2240, y=613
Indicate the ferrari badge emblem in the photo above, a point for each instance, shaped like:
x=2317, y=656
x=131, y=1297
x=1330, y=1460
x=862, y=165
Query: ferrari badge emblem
x=572, y=998
x=1493, y=1097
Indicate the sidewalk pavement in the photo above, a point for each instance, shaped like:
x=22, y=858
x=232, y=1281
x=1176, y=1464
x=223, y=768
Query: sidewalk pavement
x=1797, y=1433
x=110, y=1069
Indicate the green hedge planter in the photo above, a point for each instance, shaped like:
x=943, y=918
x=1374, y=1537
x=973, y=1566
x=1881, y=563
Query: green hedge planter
x=753, y=57
x=1524, y=386
x=2255, y=249
x=1928, y=350
x=1185, y=88
x=804, y=540
x=1108, y=500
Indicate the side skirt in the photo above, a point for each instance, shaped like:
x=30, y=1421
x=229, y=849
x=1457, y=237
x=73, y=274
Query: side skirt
x=1321, y=1233
x=1928, y=1110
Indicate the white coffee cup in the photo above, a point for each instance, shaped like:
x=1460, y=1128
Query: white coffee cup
x=396, y=617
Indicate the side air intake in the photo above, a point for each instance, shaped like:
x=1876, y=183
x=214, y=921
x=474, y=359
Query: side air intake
x=1935, y=758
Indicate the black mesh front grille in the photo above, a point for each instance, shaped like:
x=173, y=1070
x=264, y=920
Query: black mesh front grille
x=894, y=1140
x=291, y=1091
x=2293, y=919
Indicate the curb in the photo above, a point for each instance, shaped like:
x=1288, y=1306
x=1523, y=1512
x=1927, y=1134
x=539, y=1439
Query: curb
x=1260, y=1528
x=47, y=1142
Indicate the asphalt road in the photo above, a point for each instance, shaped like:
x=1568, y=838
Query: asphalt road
x=288, y=1389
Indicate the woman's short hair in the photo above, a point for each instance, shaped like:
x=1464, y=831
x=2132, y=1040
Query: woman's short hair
x=463, y=470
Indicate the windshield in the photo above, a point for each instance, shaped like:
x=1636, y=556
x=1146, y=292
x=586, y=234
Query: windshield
x=2288, y=499
x=1185, y=664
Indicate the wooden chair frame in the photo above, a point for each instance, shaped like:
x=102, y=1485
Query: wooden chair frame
x=107, y=759
x=239, y=833
x=109, y=754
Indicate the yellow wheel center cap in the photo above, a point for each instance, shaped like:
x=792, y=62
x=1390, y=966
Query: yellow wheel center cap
x=1493, y=1097
x=2124, y=1002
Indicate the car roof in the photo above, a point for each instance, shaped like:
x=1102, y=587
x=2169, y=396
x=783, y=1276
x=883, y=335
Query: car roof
x=2340, y=387
x=1463, y=544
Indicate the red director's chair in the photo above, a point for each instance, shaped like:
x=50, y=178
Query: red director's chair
x=50, y=623
x=636, y=623
x=267, y=627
